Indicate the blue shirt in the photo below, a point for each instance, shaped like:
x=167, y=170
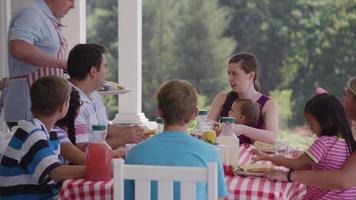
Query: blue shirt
x=35, y=25
x=173, y=148
x=31, y=155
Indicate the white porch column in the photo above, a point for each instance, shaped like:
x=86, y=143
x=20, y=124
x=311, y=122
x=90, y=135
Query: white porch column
x=5, y=16
x=75, y=24
x=130, y=61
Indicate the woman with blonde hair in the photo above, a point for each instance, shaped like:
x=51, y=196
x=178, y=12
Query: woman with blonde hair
x=336, y=179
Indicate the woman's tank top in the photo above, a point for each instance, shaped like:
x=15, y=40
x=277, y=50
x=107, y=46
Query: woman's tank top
x=231, y=97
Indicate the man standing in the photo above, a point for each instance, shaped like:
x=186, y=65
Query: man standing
x=37, y=48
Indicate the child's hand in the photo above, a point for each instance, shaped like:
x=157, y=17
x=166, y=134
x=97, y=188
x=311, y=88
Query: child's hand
x=259, y=155
x=276, y=175
x=119, y=153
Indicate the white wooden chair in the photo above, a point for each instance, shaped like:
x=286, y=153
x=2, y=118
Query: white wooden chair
x=165, y=176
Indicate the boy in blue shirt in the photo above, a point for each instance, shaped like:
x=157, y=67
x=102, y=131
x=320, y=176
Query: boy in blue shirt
x=177, y=105
x=30, y=167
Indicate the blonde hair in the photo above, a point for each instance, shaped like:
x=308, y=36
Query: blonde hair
x=250, y=110
x=177, y=100
x=351, y=86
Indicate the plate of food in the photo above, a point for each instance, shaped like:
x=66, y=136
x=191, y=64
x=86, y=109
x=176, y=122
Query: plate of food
x=265, y=147
x=254, y=169
x=109, y=87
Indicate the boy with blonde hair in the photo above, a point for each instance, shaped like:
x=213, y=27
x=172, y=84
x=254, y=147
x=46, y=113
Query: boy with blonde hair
x=177, y=105
x=30, y=167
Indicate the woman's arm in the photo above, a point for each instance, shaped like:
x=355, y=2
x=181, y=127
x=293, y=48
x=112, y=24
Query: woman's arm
x=270, y=133
x=72, y=154
x=216, y=106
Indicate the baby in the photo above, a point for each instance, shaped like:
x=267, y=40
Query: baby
x=245, y=112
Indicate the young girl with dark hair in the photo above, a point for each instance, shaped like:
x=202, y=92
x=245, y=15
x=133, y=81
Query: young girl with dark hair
x=65, y=130
x=67, y=123
x=326, y=118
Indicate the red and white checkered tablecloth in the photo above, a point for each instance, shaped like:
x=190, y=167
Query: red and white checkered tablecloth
x=258, y=187
x=85, y=189
x=238, y=187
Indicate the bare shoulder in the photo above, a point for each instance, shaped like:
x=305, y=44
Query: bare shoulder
x=216, y=106
x=271, y=105
x=220, y=99
x=221, y=96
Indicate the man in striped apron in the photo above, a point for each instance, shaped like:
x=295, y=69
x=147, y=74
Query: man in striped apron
x=37, y=48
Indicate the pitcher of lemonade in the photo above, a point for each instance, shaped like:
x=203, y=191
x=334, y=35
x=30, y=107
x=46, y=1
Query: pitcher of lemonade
x=98, y=156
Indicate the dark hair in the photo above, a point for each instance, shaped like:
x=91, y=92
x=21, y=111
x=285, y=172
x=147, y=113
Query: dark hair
x=68, y=120
x=48, y=94
x=248, y=63
x=177, y=99
x=330, y=114
x=82, y=58
x=250, y=110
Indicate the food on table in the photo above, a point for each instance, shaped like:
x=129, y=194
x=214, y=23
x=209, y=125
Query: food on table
x=209, y=136
x=256, y=168
x=265, y=146
x=238, y=168
x=149, y=132
x=109, y=86
x=218, y=127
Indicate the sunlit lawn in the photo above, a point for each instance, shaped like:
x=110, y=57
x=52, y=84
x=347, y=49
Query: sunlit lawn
x=300, y=139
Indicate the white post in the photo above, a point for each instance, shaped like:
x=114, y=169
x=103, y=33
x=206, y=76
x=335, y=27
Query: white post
x=75, y=24
x=5, y=16
x=130, y=61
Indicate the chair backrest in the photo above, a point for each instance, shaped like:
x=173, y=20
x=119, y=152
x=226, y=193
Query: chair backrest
x=165, y=176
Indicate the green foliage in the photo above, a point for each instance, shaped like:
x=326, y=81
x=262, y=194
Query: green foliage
x=296, y=140
x=102, y=29
x=284, y=102
x=110, y=102
x=322, y=49
x=184, y=39
x=300, y=44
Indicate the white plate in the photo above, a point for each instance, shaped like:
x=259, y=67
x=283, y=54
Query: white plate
x=243, y=173
x=113, y=92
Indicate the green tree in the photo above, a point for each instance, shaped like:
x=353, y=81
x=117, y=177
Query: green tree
x=200, y=46
x=158, y=43
x=184, y=39
x=322, y=51
x=102, y=29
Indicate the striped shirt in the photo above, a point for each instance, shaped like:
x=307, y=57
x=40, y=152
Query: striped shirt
x=62, y=136
x=329, y=153
x=62, y=139
x=31, y=155
x=92, y=112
